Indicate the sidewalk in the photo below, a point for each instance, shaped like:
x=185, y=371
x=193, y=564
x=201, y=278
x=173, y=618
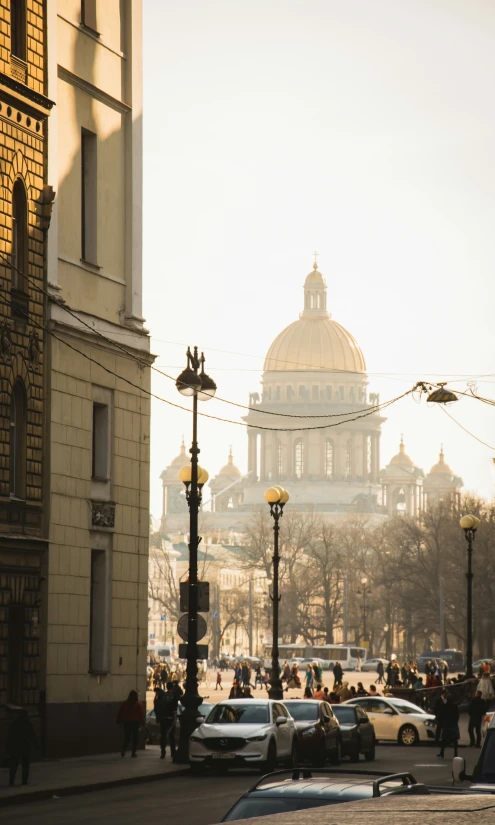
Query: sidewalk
x=87, y=773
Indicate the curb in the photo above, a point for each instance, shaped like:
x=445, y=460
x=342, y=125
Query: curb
x=73, y=790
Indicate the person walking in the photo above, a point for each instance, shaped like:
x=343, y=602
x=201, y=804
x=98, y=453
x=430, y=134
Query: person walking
x=286, y=672
x=359, y=663
x=131, y=715
x=309, y=676
x=20, y=738
x=218, y=684
x=486, y=688
x=476, y=711
x=337, y=675
x=450, y=726
x=165, y=706
x=380, y=672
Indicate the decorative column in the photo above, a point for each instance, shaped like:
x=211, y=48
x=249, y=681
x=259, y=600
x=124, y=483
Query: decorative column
x=262, y=456
x=253, y=453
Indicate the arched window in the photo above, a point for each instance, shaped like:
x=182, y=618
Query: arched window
x=299, y=458
x=280, y=465
x=19, y=237
x=18, y=429
x=329, y=459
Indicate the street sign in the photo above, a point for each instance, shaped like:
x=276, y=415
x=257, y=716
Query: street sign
x=215, y=614
x=183, y=629
x=152, y=636
x=163, y=617
x=202, y=651
x=203, y=596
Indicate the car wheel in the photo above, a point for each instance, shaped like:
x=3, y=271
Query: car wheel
x=408, y=735
x=370, y=755
x=270, y=762
x=292, y=760
x=337, y=754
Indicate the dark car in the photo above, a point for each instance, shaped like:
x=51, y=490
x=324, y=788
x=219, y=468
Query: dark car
x=356, y=731
x=276, y=795
x=318, y=731
x=152, y=727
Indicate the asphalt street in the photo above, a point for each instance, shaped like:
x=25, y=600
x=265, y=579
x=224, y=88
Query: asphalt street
x=204, y=800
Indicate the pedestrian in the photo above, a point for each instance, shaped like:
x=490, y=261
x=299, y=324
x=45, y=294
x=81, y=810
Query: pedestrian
x=308, y=693
x=486, y=688
x=246, y=693
x=380, y=672
x=360, y=690
x=476, y=711
x=344, y=692
x=337, y=675
x=286, y=672
x=258, y=679
x=235, y=691
x=218, y=684
x=165, y=706
x=450, y=726
x=327, y=694
x=359, y=662
x=131, y=715
x=309, y=676
x=20, y=738
x=177, y=690
x=445, y=671
x=318, y=694
x=373, y=691
x=333, y=698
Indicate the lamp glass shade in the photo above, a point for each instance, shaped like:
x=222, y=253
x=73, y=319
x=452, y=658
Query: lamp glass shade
x=203, y=478
x=476, y=521
x=188, y=383
x=364, y=580
x=467, y=522
x=185, y=473
x=272, y=495
x=284, y=498
x=208, y=387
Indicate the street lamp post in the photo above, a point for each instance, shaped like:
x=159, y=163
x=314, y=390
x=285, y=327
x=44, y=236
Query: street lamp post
x=194, y=382
x=469, y=524
x=364, y=591
x=276, y=497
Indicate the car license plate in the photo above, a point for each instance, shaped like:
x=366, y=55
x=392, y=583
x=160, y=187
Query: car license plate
x=223, y=755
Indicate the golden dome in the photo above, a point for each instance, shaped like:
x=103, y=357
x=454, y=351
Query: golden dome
x=441, y=466
x=402, y=459
x=315, y=277
x=315, y=344
x=230, y=469
x=180, y=459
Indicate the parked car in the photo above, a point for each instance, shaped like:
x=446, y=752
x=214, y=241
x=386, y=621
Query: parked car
x=356, y=731
x=397, y=720
x=371, y=665
x=483, y=777
x=276, y=795
x=152, y=728
x=258, y=732
x=318, y=731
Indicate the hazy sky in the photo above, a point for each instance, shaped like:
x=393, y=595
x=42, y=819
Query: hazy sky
x=364, y=129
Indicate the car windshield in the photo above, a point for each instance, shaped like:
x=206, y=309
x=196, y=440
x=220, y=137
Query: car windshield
x=259, y=806
x=302, y=711
x=203, y=709
x=486, y=769
x=406, y=707
x=244, y=713
x=345, y=715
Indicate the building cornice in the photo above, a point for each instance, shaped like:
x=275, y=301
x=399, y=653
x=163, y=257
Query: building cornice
x=93, y=91
x=26, y=99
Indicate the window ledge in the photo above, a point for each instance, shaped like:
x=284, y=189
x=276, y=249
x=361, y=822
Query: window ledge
x=90, y=264
x=89, y=29
x=100, y=479
x=18, y=499
x=98, y=672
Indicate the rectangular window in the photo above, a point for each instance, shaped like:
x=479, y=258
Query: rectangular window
x=89, y=192
x=316, y=394
x=289, y=393
x=88, y=14
x=101, y=438
x=277, y=393
x=18, y=28
x=341, y=393
x=352, y=395
x=99, y=612
x=302, y=393
x=328, y=393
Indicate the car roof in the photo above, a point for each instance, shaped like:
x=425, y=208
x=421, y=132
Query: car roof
x=315, y=787
x=306, y=701
x=256, y=701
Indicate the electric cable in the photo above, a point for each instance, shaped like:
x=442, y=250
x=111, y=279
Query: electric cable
x=480, y=440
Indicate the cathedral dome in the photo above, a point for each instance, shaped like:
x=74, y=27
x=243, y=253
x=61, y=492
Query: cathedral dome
x=230, y=469
x=315, y=342
x=441, y=466
x=402, y=459
x=180, y=459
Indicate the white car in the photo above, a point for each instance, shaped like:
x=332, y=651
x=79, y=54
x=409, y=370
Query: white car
x=237, y=732
x=397, y=720
x=371, y=665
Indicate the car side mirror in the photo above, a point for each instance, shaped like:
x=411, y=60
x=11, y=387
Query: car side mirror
x=362, y=721
x=389, y=712
x=281, y=720
x=459, y=769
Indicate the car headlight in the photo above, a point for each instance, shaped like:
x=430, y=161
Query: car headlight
x=429, y=723
x=195, y=739
x=260, y=738
x=309, y=731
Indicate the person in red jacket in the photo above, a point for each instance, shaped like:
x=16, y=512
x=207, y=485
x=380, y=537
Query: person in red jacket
x=131, y=714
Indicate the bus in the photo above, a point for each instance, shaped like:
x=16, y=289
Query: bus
x=347, y=655
x=454, y=658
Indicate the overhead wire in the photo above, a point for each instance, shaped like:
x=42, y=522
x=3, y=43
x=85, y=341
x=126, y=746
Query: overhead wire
x=50, y=332
x=480, y=440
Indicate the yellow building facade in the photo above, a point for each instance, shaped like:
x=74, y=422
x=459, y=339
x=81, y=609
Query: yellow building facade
x=24, y=216
x=99, y=377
